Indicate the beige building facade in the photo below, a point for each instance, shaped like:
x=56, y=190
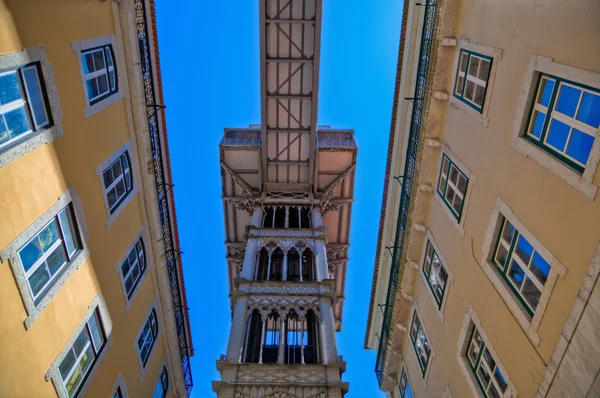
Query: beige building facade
x=488, y=255
x=92, y=301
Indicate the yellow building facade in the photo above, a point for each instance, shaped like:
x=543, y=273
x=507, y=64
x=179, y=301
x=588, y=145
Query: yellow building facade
x=92, y=300
x=488, y=255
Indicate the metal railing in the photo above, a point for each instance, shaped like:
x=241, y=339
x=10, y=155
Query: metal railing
x=161, y=192
x=407, y=183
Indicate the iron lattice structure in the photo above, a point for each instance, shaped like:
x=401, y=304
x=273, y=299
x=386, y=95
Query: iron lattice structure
x=406, y=190
x=161, y=192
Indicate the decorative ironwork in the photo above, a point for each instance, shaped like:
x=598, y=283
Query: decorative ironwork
x=163, y=205
x=241, y=138
x=407, y=185
x=338, y=139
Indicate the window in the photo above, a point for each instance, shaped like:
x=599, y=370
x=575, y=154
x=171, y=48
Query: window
x=472, y=78
x=286, y=217
x=147, y=337
x=452, y=186
x=489, y=377
x=524, y=268
x=117, y=181
x=251, y=352
x=435, y=273
x=420, y=342
x=100, y=78
x=564, y=119
x=160, y=391
x=404, y=385
x=45, y=256
x=132, y=269
x=81, y=356
x=23, y=104
x=270, y=348
x=270, y=264
x=302, y=339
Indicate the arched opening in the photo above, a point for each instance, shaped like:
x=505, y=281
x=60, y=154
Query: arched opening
x=262, y=265
x=294, y=217
x=312, y=349
x=276, y=268
x=295, y=338
x=308, y=266
x=279, y=217
x=270, y=350
x=305, y=217
x=293, y=273
x=268, y=217
x=251, y=353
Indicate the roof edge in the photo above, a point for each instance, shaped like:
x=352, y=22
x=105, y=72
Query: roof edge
x=387, y=166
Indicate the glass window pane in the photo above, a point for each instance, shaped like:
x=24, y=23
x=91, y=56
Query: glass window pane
x=38, y=280
x=558, y=134
x=103, y=84
x=568, y=98
x=537, y=124
x=545, y=93
x=88, y=63
x=56, y=259
x=49, y=235
x=84, y=365
x=457, y=205
x=589, y=110
x=507, y=234
x=524, y=250
x=67, y=364
x=484, y=70
x=488, y=359
x=92, y=88
x=10, y=89
x=111, y=78
x=129, y=284
x=500, y=380
x=3, y=131
x=96, y=331
x=31, y=253
x=108, y=177
x=469, y=90
x=116, y=168
x=125, y=267
x=484, y=376
x=516, y=274
x=111, y=197
x=540, y=268
x=99, y=59
x=493, y=393
x=36, y=99
x=68, y=230
x=462, y=184
x=108, y=54
x=120, y=187
x=463, y=62
x=501, y=256
x=531, y=293
x=82, y=340
x=17, y=122
x=479, y=92
x=580, y=146
x=473, y=66
x=459, y=85
x=442, y=185
x=454, y=175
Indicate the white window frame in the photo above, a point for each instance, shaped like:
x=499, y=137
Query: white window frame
x=529, y=324
x=539, y=64
x=457, y=103
x=54, y=374
x=100, y=72
x=141, y=235
x=11, y=253
x=464, y=339
x=81, y=46
x=144, y=368
x=459, y=224
x=449, y=281
x=425, y=373
x=120, y=384
x=112, y=216
x=159, y=380
x=43, y=134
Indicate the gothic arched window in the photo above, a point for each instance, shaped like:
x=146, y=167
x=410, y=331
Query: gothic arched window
x=308, y=266
x=279, y=221
x=293, y=273
x=262, y=265
x=276, y=266
x=312, y=348
x=294, y=217
x=305, y=217
x=251, y=353
x=268, y=217
x=270, y=350
x=295, y=338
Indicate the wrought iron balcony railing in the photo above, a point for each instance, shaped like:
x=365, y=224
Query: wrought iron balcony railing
x=329, y=138
x=161, y=192
x=241, y=138
x=407, y=184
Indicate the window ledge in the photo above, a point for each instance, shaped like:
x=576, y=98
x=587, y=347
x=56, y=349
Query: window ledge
x=558, y=168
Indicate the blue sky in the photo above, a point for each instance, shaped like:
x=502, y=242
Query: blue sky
x=210, y=65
